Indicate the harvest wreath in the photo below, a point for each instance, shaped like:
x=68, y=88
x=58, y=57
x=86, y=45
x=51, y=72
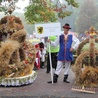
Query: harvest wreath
x=87, y=74
x=17, y=56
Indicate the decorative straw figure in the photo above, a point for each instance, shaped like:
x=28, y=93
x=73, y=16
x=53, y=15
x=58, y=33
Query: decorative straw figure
x=88, y=75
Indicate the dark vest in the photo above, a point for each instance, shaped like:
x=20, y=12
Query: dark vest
x=64, y=52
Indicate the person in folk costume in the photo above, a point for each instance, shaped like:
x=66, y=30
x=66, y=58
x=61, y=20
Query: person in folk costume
x=38, y=55
x=65, y=55
x=43, y=52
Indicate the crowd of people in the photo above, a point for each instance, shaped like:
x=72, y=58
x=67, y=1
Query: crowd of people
x=42, y=55
x=61, y=49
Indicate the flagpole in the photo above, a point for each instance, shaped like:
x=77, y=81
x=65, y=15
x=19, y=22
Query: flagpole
x=50, y=63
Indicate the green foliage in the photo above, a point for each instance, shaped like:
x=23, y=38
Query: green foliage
x=39, y=12
x=73, y=3
x=0, y=1
x=9, y=7
x=2, y=9
x=46, y=11
x=64, y=14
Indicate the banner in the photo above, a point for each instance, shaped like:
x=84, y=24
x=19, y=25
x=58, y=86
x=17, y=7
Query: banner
x=47, y=29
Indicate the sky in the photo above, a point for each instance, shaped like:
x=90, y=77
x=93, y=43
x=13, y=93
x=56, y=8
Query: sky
x=21, y=4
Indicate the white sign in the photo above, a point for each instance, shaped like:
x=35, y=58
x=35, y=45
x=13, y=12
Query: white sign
x=47, y=29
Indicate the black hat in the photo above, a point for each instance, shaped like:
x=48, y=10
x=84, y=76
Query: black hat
x=67, y=26
x=41, y=45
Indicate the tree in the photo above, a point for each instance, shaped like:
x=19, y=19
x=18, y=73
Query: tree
x=8, y=6
x=86, y=16
x=72, y=18
x=47, y=10
x=40, y=10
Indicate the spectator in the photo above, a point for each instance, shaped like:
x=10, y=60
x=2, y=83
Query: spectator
x=54, y=52
x=43, y=53
x=38, y=55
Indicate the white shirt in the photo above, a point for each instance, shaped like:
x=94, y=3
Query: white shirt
x=75, y=40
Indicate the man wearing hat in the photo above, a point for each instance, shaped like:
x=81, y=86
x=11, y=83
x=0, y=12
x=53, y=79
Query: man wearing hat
x=65, y=55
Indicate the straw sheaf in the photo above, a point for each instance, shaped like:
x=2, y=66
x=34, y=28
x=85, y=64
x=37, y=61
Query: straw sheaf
x=31, y=49
x=25, y=70
x=30, y=46
x=80, y=74
x=4, y=19
x=83, y=43
x=9, y=25
x=12, y=52
x=77, y=68
x=6, y=50
x=19, y=36
x=89, y=76
x=92, y=51
x=81, y=46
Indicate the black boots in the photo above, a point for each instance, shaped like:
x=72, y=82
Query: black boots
x=65, y=79
x=55, y=79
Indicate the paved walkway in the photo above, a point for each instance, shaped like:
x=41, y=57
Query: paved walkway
x=41, y=89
